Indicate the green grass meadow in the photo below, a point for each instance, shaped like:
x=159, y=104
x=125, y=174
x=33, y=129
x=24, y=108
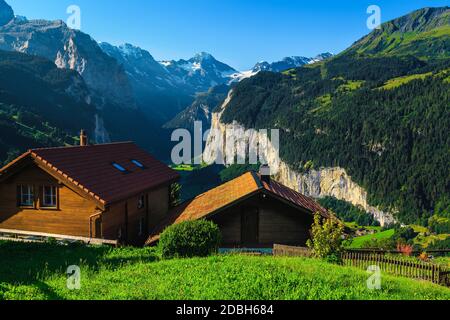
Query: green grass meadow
x=359, y=241
x=37, y=271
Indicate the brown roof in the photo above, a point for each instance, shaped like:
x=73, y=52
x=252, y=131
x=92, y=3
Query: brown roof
x=294, y=197
x=229, y=193
x=91, y=169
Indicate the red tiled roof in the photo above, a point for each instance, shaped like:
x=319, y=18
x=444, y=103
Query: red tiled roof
x=91, y=169
x=227, y=194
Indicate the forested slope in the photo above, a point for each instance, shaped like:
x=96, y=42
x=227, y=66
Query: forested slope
x=383, y=115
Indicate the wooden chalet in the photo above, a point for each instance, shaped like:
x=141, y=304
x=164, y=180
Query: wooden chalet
x=111, y=191
x=251, y=211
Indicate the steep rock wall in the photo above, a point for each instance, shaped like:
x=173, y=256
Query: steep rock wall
x=318, y=183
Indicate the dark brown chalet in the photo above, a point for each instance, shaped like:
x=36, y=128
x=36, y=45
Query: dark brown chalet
x=111, y=191
x=251, y=211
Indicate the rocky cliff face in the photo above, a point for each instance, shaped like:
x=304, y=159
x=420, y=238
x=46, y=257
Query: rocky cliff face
x=200, y=109
x=319, y=183
x=144, y=72
x=334, y=182
x=6, y=13
x=157, y=92
x=101, y=135
x=70, y=49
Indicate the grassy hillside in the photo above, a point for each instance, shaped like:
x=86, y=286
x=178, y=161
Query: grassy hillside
x=423, y=33
x=37, y=271
x=383, y=117
x=358, y=242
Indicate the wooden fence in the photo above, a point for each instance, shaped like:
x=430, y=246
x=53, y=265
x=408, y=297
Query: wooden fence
x=395, y=265
x=289, y=251
x=30, y=236
x=417, y=252
x=398, y=266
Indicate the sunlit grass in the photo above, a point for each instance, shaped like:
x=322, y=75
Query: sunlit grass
x=358, y=242
x=138, y=274
x=397, y=82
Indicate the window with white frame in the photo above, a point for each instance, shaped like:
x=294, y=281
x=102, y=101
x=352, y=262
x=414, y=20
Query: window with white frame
x=26, y=195
x=49, y=197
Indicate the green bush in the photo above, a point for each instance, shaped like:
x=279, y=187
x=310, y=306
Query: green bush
x=326, y=238
x=380, y=244
x=404, y=235
x=190, y=239
x=439, y=225
x=440, y=245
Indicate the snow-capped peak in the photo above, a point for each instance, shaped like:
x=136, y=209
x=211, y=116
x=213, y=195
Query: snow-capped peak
x=203, y=56
x=166, y=63
x=289, y=62
x=128, y=49
x=321, y=57
x=278, y=66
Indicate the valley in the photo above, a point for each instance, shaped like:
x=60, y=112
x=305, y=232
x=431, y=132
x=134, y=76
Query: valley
x=344, y=114
x=366, y=126
x=267, y=151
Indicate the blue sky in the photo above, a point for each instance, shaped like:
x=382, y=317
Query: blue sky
x=237, y=32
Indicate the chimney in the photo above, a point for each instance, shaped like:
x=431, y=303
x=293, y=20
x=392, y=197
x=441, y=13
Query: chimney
x=264, y=172
x=83, y=138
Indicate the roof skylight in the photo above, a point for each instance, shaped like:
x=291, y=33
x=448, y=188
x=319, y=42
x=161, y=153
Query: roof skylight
x=138, y=164
x=119, y=167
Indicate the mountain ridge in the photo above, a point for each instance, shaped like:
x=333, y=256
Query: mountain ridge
x=70, y=49
x=202, y=71
x=200, y=109
x=381, y=116
x=155, y=83
x=6, y=13
x=289, y=63
x=206, y=102
x=421, y=33
x=40, y=104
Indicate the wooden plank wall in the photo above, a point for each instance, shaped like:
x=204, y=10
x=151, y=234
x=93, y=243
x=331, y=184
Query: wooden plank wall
x=283, y=224
x=70, y=218
x=278, y=223
x=152, y=213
